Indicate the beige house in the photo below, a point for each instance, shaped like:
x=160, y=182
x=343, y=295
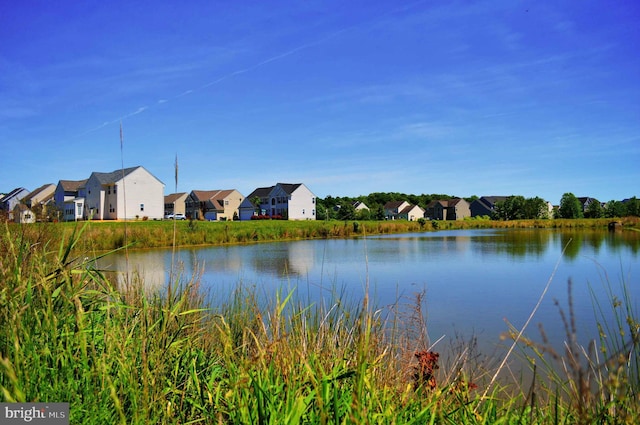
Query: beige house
x=360, y=206
x=213, y=205
x=40, y=200
x=448, y=209
x=411, y=213
x=23, y=214
x=402, y=210
x=175, y=203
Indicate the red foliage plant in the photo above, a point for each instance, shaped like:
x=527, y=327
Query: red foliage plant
x=424, y=373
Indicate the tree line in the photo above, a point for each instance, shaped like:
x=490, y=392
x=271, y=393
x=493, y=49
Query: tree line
x=571, y=207
x=515, y=207
x=342, y=207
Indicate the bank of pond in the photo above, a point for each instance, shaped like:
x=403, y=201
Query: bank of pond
x=108, y=235
x=121, y=352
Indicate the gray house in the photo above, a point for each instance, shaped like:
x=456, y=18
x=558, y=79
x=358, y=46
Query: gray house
x=485, y=205
x=10, y=200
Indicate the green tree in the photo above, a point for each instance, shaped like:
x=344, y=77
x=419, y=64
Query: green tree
x=255, y=201
x=346, y=211
x=535, y=208
x=594, y=209
x=511, y=208
x=614, y=209
x=570, y=207
x=363, y=214
x=377, y=212
x=633, y=207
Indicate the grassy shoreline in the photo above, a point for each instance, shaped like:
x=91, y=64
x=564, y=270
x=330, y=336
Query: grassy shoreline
x=120, y=355
x=109, y=235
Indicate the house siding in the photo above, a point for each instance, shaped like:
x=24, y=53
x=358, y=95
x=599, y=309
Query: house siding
x=137, y=195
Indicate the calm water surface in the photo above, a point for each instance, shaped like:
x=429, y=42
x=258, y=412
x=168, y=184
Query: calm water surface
x=473, y=280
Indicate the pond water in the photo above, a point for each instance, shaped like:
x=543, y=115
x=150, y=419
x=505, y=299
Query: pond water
x=473, y=280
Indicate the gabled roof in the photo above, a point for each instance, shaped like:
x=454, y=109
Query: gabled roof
x=408, y=209
x=490, y=201
x=584, y=200
x=114, y=176
x=171, y=198
x=15, y=192
x=222, y=194
x=443, y=202
x=215, y=197
x=72, y=185
x=289, y=188
x=393, y=205
x=261, y=192
x=21, y=208
x=203, y=195
x=49, y=186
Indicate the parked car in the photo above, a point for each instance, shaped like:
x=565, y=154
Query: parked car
x=179, y=217
x=168, y=216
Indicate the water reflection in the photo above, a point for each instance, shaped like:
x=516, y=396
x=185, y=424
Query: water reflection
x=474, y=279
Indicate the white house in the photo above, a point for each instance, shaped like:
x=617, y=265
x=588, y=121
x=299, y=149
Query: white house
x=126, y=194
x=291, y=201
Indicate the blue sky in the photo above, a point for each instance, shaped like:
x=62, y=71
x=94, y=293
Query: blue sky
x=498, y=97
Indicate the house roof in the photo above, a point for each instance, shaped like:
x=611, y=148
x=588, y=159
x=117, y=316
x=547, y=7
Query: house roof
x=289, y=188
x=72, y=185
x=261, y=192
x=39, y=191
x=357, y=204
x=20, y=208
x=173, y=197
x=490, y=201
x=113, y=176
x=409, y=208
x=435, y=202
x=393, y=204
x=218, y=199
x=203, y=195
x=14, y=193
x=454, y=201
x=215, y=197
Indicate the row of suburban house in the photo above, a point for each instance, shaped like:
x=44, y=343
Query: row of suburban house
x=134, y=193
x=445, y=209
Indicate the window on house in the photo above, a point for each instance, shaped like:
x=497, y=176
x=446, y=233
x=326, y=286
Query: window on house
x=108, y=190
x=141, y=207
x=313, y=200
x=226, y=202
x=303, y=211
x=114, y=189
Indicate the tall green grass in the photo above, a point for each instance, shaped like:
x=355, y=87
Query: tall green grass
x=108, y=235
x=122, y=355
